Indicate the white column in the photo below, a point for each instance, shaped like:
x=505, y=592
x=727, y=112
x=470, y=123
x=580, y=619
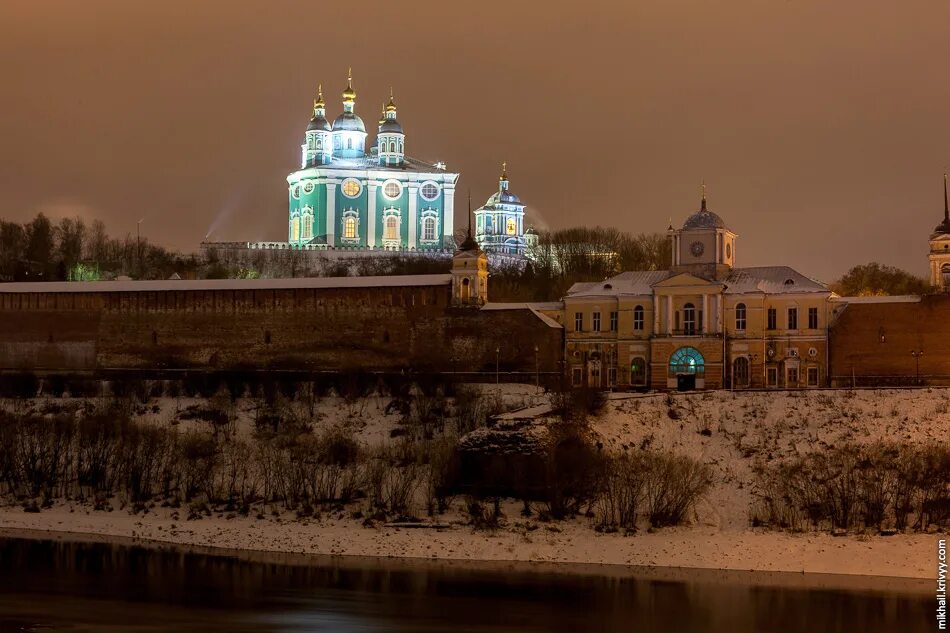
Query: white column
x=656, y=315
x=371, y=188
x=669, y=314
x=331, y=214
x=448, y=217
x=413, y=221
x=705, y=313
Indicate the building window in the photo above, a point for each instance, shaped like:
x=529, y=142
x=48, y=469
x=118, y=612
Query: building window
x=813, y=318
x=772, y=319
x=771, y=376
x=812, y=376
x=793, y=318
x=595, y=322
x=349, y=228
x=295, y=191
x=307, y=227
x=687, y=360
x=791, y=376
x=428, y=229
x=391, y=231
x=613, y=321
x=638, y=318
x=740, y=372
x=689, y=319
x=429, y=191
x=638, y=371
x=512, y=227
x=351, y=188
x=392, y=189
x=295, y=229
x=577, y=376
x=740, y=316
x=578, y=321
x=308, y=187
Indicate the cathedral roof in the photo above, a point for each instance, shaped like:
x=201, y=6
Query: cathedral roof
x=390, y=125
x=348, y=122
x=704, y=219
x=503, y=197
x=318, y=124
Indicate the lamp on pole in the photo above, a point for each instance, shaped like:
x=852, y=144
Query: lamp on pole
x=917, y=353
x=138, y=245
x=537, y=368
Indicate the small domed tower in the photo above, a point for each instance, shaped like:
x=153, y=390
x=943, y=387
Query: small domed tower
x=469, y=270
x=349, y=133
x=704, y=246
x=318, y=148
x=391, y=138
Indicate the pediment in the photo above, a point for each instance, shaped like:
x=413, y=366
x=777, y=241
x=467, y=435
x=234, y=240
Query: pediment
x=682, y=280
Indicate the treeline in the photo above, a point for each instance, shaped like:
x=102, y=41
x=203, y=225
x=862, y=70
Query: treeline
x=41, y=250
x=883, y=485
x=876, y=279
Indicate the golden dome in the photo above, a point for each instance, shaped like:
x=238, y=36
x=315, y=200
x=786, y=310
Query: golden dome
x=349, y=95
x=318, y=102
x=391, y=106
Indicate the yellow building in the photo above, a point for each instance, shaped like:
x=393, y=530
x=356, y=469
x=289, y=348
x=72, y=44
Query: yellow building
x=704, y=323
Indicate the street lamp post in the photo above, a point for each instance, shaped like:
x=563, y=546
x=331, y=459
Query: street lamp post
x=497, y=355
x=537, y=369
x=917, y=353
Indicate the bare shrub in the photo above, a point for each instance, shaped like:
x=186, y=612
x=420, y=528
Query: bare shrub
x=672, y=486
x=621, y=493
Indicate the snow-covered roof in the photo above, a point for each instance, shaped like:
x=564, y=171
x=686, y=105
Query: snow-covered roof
x=771, y=280
x=879, y=299
x=531, y=307
x=634, y=282
x=228, y=284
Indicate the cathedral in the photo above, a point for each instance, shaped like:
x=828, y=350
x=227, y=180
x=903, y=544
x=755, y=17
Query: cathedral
x=939, y=257
x=499, y=223
x=349, y=194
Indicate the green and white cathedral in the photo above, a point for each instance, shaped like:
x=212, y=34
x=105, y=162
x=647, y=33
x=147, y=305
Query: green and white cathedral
x=346, y=194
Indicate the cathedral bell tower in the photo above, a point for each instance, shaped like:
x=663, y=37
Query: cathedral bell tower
x=469, y=270
x=940, y=248
x=704, y=246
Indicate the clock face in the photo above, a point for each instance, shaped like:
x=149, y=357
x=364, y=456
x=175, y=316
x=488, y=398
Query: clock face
x=696, y=248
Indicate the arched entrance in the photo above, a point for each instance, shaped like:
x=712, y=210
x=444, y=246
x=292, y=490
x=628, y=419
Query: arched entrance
x=687, y=369
x=740, y=372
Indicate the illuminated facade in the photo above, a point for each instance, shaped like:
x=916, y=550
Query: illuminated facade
x=499, y=223
x=348, y=195
x=704, y=323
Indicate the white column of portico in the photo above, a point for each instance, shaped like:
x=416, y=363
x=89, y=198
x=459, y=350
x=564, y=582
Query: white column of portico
x=705, y=313
x=669, y=314
x=413, y=221
x=656, y=315
x=331, y=214
x=448, y=218
x=371, y=188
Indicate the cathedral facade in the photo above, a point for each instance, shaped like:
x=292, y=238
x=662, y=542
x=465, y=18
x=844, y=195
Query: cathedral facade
x=499, y=223
x=351, y=193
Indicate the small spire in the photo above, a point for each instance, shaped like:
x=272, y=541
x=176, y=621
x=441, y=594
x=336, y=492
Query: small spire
x=469, y=213
x=946, y=206
x=318, y=103
x=703, y=204
x=349, y=95
x=504, y=171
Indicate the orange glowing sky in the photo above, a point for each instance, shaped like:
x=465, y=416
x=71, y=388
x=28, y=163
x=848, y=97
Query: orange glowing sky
x=821, y=128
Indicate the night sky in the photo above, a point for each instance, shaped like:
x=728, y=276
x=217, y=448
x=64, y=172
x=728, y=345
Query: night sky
x=822, y=128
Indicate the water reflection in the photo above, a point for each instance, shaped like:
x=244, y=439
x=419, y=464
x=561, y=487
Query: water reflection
x=59, y=586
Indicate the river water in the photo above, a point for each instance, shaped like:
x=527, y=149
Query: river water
x=48, y=585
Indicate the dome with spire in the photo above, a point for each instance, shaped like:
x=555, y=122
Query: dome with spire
x=319, y=121
x=944, y=226
x=704, y=218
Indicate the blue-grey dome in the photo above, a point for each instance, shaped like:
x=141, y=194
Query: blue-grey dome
x=504, y=197
x=348, y=122
x=390, y=125
x=704, y=219
x=318, y=124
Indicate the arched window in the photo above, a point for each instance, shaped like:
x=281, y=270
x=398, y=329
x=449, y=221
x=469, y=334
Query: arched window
x=295, y=229
x=428, y=229
x=740, y=316
x=512, y=226
x=392, y=146
x=391, y=230
x=689, y=319
x=687, y=360
x=349, y=143
x=638, y=371
x=638, y=318
x=349, y=228
x=740, y=372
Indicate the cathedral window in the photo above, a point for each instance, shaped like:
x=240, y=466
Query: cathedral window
x=740, y=316
x=638, y=318
x=428, y=229
x=512, y=227
x=429, y=191
x=295, y=229
x=349, y=143
x=391, y=227
x=306, y=229
x=349, y=228
x=351, y=225
x=351, y=188
x=392, y=189
x=308, y=187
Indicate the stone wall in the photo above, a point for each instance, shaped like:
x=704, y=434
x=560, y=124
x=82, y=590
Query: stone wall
x=872, y=342
x=319, y=329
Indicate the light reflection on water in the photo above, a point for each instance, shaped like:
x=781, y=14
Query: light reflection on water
x=79, y=587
